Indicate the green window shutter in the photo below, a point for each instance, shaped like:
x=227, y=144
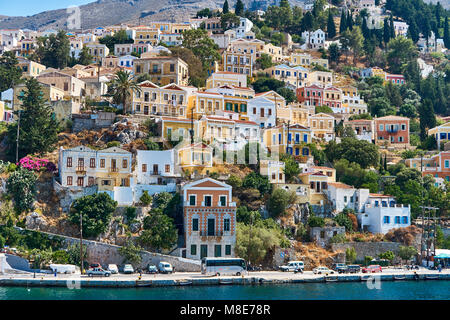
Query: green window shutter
x=236, y=107
x=243, y=107
x=228, y=106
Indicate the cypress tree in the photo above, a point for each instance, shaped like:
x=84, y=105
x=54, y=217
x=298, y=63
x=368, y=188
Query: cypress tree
x=385, y=162
x=350, y=20
x=386, y=31
x=225, y=8
x=343, y=23
x=365, y=29
x=38, y=131
x=239, y=8
x=391, y=27
x=446, y=34
x=413, y=32
x=331, y=28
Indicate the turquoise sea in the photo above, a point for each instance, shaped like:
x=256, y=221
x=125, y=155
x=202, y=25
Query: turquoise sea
x=397, y=290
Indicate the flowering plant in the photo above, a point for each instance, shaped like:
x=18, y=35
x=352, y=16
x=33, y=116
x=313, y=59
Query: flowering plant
x=36, y=164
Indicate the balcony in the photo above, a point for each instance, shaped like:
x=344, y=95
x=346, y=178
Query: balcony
x=215, y=234
x=113, y=170
x=80, y=170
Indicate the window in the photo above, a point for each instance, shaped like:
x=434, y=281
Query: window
x=228, y=250
x=223, y=201
x=193, y=249
x=192, y=200
x=217, y=250
x=195, y=224
x=226, y=224
x=397, y=219
x=386, y=219
x=381, y=127
x=345, y=198
x=447, y=163
x=208, y=201
x=102, y=163
x=124, y=163
x=92, y=162
x=91, y=181
x=405, y=220
x=80, y=182
x=69, y=162
x=144, y=167
x=69, y=180
x=167, y=168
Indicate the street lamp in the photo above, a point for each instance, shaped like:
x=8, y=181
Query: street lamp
x=81, y=242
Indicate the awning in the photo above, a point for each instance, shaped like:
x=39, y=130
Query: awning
x=442, y=256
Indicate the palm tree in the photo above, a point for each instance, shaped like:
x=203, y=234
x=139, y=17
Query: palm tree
x=122, y=87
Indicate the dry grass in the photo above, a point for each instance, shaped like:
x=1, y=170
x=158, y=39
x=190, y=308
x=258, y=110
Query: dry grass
x=314, y=256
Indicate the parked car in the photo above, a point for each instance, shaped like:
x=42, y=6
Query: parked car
x=372, y=268
x=94, y=265
x=339, y=267
x=320, y=270
x=128, y=268
x=113, y=268
x=165, y=267
x=353, y=268
x=152, y=269
x=292, y=265
x=98, y=272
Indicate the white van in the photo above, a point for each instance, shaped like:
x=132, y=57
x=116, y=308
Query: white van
x=293, y=265
x=165, y=267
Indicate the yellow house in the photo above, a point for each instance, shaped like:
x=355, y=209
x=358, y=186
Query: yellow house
x=170, y=100
x=205, y=103
x=292, y=140
x=273, y=96
x=147, y=35
x=441, y=133
x=349, y=91
x=322, y=126
x=318, y=178
x=163, y=70
x=176, y=129
x=378, y=72
x=295, y=113
x=275, y=52
x=195, y=158
x=30, y=68
x=227, y=78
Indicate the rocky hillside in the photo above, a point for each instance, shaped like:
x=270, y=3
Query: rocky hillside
x=110, y=12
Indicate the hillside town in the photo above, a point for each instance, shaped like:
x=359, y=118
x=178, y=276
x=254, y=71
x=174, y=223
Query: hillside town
x=317, y=133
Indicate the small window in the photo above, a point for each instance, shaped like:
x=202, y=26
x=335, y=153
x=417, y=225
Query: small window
x=208, y=201
x=193, y=249
x=69, y=180
x=226, y=224
x=167, y=168
x=92, y=162
x=69, y=162
x=124, y=163
x=228, y=250
x=223, y=201
x=192, y=200
x=144, y=167
x=102, y=163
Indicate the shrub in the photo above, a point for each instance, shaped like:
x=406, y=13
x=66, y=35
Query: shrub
x=339, y=238
x=130, y=214
x=21, y=185
x=350, y=255
x=367, y=260
x=145, y=198
x=314, y=221
x=388, y=255
x=36, y=164
x=113, y=144
x=278, y=202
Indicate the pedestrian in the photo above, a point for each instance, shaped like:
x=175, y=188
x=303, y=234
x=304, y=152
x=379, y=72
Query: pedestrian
x=440, y=267
x=55, y=272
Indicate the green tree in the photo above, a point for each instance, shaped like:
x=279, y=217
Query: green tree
x=246, y=216
x=334, y=53
x=287, y=94
x=256, y=181
x=358, y=151
x=323, y=109
x=331, y=27
x=427, y=118
x=121, y=87
x=388, y=255
x=119, y=37
x=291, y=168
x=354, y=39
x=446, y=33
x=10, y=72
x=278, y=202
x=53, y=51
x=131, y=253
x=202, y=46
x=253, y=243
x=159, y=231
x=314, y=221
x=229, y=20
x=239, y=8
x=401, y=51
x=235, y=182
x=85, y=58
x=350, y=255
x=225, y=8
x=343, y=22
x=406, y=252
x=21, y=186
x=96, y=211
x=7, y=214
x=38, y=128
x=264, y=61
x=344, y=221
x=413, y=32
x=206, y=12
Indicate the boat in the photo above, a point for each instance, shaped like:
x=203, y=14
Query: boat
x=330, y=279
x=184, y=282
x=225, y=281
x=143, y=283
x=399, y=278
x=427, y=277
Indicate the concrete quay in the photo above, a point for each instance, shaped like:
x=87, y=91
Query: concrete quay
x=196, y=279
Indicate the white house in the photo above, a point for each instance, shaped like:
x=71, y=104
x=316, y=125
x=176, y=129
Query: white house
x=155, y=167
x=262, y=111
x=313, y=39
x=273, y=170
x=344, y=196
x=382, y=214
x=245, y=26
x=400, y=28
x=126, y=61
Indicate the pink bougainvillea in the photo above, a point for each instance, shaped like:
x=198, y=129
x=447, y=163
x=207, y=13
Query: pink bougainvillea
x=36, y=164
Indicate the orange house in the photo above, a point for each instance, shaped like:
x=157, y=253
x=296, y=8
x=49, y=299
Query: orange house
x=209, y=219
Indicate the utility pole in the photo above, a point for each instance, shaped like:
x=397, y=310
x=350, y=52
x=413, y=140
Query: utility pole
x=17, y=137
x=192, y=126
x=249, y=238
x=81, y=242
x=423, y=209
x=287, y=142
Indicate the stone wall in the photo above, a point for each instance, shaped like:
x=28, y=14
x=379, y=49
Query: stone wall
x=363, y=249
x=103, y=253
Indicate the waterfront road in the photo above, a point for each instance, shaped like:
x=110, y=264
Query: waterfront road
x=186, y=276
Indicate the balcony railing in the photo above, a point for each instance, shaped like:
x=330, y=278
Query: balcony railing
x=210, y=234
x=113, y=169
x=80, y=169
